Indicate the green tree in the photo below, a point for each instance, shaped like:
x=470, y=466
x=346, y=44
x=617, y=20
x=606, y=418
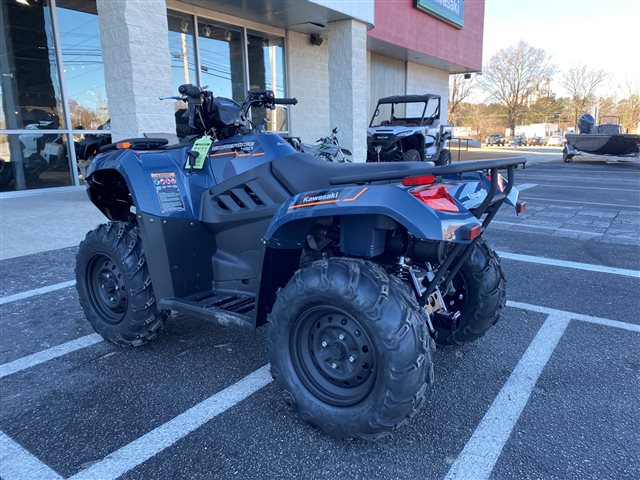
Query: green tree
x=514, y=75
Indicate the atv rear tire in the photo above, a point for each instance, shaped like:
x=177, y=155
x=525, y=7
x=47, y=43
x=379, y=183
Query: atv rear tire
x=412, y=156
x=444, y=157
x=479, y=296
x=349, y=347
x=114, y=286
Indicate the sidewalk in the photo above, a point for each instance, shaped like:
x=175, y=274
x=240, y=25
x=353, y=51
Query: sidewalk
x=45, y=221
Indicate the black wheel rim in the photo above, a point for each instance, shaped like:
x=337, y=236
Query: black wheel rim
x=107, y=289
x=333, y=355
x=456, y=301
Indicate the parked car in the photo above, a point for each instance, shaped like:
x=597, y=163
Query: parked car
x=555, y=141
x=495, y=139
x=535, y=140
x=518, y=141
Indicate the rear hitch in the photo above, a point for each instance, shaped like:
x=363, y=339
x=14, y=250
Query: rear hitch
x=445, y=320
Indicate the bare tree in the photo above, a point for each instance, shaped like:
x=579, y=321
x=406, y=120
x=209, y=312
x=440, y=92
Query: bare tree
x=459, y=90
x=514, y=75
x=582, y=85
x=630, y=107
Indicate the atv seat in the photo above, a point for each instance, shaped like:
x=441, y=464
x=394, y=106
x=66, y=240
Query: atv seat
x=301, y=172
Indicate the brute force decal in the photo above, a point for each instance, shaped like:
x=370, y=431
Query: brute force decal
x=244, y=146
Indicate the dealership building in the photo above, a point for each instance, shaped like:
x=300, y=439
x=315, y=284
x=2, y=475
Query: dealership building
x=76, y=68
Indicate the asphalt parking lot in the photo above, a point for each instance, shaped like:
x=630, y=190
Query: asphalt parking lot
x=551, y=392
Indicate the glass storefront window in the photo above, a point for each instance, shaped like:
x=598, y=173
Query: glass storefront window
x=266, y=72
x=79, y=34
x=182, y=49
x=221, y=60
x=34, y=159
x=29, y=85
x=87, y=145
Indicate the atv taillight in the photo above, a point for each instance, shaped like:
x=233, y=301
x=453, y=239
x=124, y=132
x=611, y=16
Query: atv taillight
x=470, y=231
x=418, y=180
x=437, y=198
x=520, y=207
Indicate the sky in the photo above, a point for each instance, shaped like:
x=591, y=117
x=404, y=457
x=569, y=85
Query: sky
x=603, y=34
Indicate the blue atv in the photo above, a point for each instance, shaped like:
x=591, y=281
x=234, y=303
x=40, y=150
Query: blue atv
x=358, y=269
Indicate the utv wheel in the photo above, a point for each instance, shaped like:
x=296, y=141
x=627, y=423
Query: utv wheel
x=114, y=286
x=412, y=156
x=444, y=158
x=479, y=296
x=349, y=347
x=6, y=174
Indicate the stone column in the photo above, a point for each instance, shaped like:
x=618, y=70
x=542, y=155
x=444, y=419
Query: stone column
x=137, y=66
x=348, y=84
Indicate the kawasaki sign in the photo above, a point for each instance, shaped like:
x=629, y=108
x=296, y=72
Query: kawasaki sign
x=451, y=11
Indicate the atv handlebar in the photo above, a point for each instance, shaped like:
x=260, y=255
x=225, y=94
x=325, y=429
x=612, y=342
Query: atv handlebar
x=286, y=101
x=189, y=90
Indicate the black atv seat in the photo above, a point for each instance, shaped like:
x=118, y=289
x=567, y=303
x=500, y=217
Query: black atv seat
x=302, y=172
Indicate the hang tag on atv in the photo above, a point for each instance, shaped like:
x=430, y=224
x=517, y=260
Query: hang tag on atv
x=201, y=147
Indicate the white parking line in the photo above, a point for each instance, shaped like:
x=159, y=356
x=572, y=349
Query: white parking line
x=559, y=229
x=589, y=187
x=48, y=354
x=36, y=291
x=18, y=464
x=578, y=178
x=633, y=327
x=479, y=456
x=567, y=264
x=526, y=186
x=581, y=202
x=154, y=442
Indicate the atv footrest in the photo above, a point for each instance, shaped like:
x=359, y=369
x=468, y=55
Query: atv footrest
x=227, y=310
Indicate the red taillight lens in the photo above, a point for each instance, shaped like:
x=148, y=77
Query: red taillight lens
x=470, y=231
x=437, y=198
x=418, y=180
x=521, y=207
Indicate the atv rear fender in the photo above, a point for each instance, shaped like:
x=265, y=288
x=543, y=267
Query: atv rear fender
x=366, y=212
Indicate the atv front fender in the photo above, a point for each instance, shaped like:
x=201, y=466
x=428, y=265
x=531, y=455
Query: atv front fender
x=295, y=218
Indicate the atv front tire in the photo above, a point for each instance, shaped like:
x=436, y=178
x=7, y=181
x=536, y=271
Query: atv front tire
x=349, y=347
x=480, y=296
x=444, y=157
x=114, y=286
x=412, y=156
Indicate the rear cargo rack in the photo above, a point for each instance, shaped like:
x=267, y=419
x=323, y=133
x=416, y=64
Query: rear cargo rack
x=470, y=166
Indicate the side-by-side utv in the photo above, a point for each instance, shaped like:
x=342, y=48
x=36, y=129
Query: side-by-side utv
x=358, y=270
x=408, y=128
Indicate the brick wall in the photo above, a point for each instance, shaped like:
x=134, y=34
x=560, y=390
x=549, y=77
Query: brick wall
x=421, y=80
x=308, y=68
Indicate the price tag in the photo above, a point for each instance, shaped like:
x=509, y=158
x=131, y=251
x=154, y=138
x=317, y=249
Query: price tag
x=201, y=147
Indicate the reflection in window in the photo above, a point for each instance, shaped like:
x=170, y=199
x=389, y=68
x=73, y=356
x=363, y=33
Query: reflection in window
x=29, y=85
x=266, y=72
x=182, y=49
x=82, y=57
x=34, y=159
x=221, y=60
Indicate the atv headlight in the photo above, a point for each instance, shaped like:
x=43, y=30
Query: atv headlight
x=406, y=133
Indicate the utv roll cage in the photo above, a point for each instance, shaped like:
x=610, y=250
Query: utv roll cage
x=402, y=99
